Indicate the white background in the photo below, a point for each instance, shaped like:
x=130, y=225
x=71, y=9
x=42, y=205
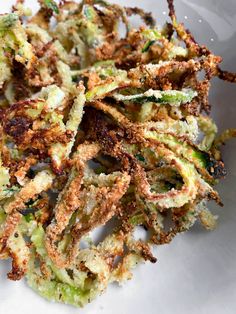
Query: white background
x=196, y=273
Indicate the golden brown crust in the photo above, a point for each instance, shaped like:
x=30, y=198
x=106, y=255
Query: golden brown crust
x=68, y=202
x=112, y=169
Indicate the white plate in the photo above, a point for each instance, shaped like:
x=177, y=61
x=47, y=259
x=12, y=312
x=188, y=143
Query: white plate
x=196, y=273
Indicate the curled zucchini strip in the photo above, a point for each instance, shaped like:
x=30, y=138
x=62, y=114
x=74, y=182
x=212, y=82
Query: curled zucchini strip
x=58, y=151
x=199, y=159
x=141, y=74
x=209, y=128
x=20, y=253
x=57, y=285
x=173, y=198
x=65, y=209
x=90, y=273
x=14, y=40
x=188, y=128
x=41, y=182
x=98, y=209
x=37, y=34
x=100, y=91
x=64, y=72
x=10, y=238
x=4, y=179
x=104, y=210
x=53, y=96
x=172, y=97
x=117, y=119
x=118, y=116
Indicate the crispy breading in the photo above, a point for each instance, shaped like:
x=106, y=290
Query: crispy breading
x=101, y=130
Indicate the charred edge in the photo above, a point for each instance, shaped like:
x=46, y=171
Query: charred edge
x=216, y=168
x=3, y=244
x=16, y=273
x=58, y=170
x=227, y=76
x=17, y=126
x=27, y=211
x=97, y=128
x=146, y=253
x=171, y=8
x=109, y=136
x=19, y=83
x=146, y=16
x=23, y=104
x=169, y=30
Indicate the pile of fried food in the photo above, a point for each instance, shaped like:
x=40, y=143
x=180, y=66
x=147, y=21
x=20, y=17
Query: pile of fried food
x=97, y=127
